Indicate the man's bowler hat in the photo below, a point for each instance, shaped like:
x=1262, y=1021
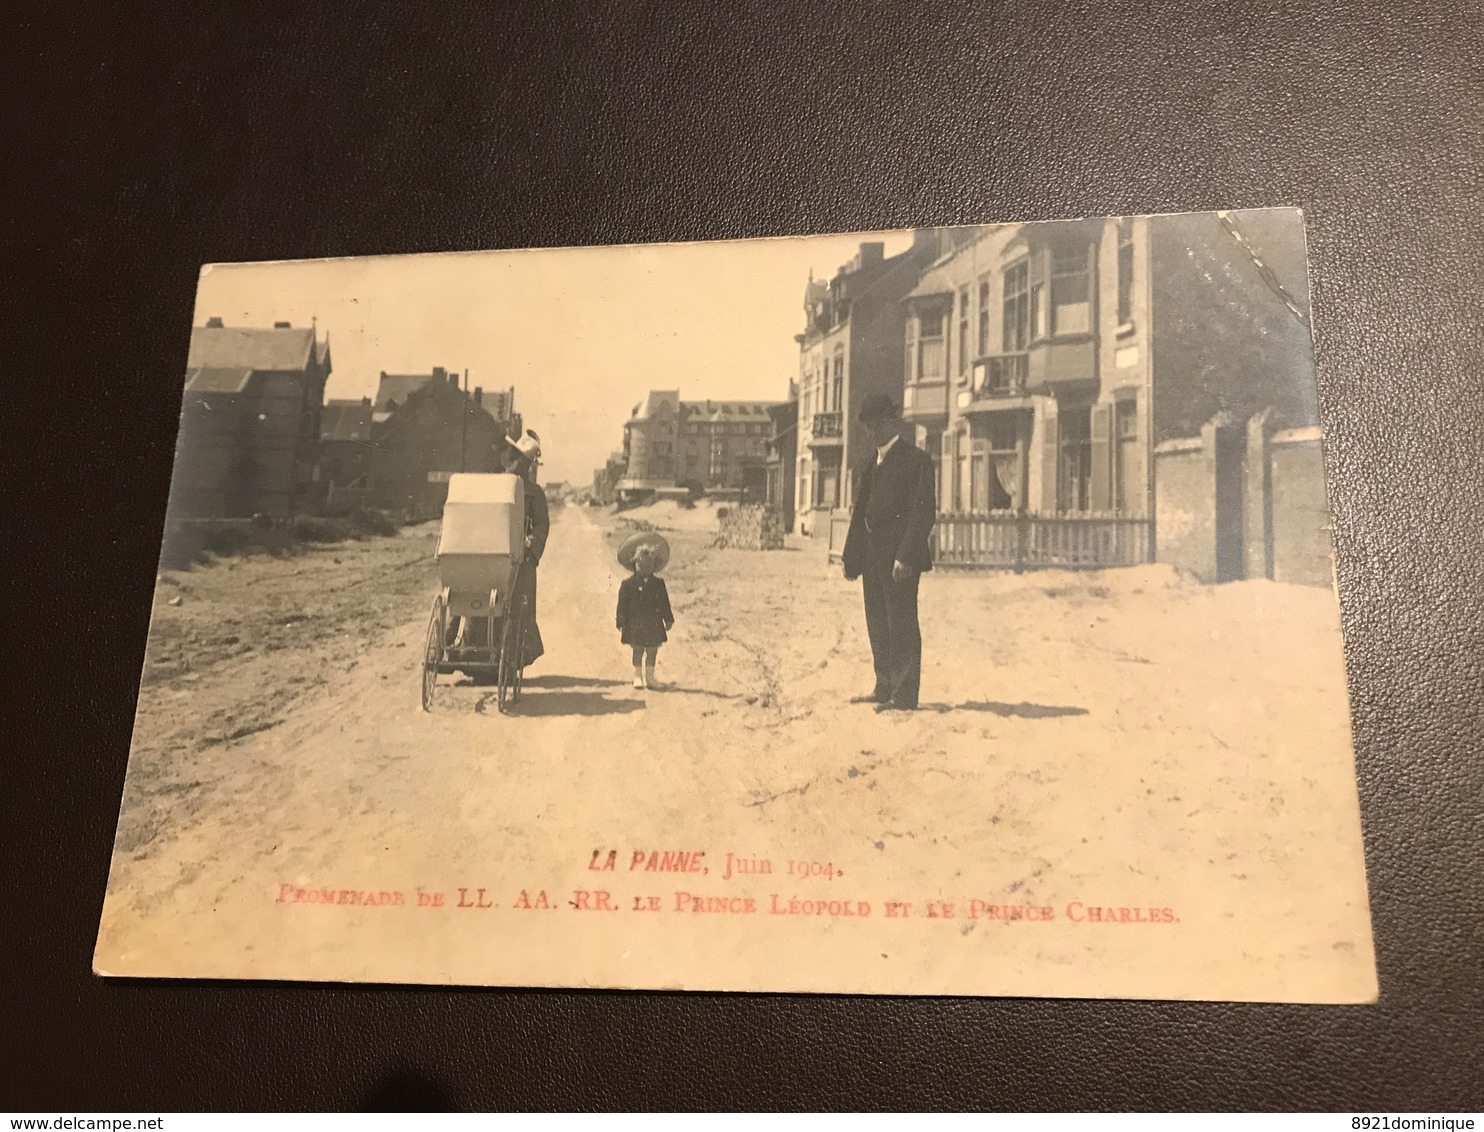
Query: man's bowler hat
x=879, y=407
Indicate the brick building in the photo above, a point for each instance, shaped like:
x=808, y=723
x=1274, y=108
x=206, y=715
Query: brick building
x=851, y=347
x=1045, y=365
x=713, y=446
x=250, y=421
x=345, y=454
x=425, y=428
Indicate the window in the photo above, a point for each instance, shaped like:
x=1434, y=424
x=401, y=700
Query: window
x=963, y=331
x=1075, y=467
x=1002, y=472
x=930, y=344
x=911, y=368
x=1071, y=309
x=838, y=390
x=1017, y=308
x=1125, y=273
x=983, y=315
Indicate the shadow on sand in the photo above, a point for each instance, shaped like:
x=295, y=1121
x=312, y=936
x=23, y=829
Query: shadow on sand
x=673, y=689
x=571, y=682
x=1020, y=710
x=539, y=703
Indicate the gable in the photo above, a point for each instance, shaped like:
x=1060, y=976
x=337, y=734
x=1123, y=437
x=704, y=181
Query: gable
x=217, y=347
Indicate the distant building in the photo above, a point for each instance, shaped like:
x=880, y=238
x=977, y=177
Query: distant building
x=250, y=421
x=606, y=478
x=782, y=454
x=345, y=454
x=697, y=445
x=424, y=429
x=851, y=348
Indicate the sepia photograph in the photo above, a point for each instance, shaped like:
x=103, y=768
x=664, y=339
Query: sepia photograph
x=947, y=611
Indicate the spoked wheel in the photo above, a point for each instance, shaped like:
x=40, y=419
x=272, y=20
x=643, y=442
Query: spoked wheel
x=434, y=650
x=522, y=616
x=512, y=642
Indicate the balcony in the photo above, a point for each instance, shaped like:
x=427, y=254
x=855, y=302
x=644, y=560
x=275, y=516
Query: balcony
x=925, y=403
x=828, y=429
x=1001, y=375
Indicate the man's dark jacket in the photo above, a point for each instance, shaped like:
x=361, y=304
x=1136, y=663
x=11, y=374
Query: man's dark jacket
x=895, y=508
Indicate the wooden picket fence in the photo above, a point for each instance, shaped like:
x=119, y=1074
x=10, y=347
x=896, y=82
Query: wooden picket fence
x=1009, y=541
x=1025, y=542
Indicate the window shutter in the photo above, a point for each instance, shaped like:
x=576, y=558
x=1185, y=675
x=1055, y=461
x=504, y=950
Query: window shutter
x=1050, y=465
x=1100, y=494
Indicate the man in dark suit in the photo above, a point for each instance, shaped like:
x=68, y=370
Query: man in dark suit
x=888, y=548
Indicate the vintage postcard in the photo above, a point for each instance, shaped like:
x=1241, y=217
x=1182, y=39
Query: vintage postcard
x=944, y=611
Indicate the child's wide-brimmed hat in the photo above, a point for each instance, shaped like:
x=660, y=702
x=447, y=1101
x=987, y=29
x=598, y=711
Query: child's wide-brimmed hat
x=651, y=539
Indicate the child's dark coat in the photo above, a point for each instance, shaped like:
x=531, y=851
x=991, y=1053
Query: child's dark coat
x=644, y=610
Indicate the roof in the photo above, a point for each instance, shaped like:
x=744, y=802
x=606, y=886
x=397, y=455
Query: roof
x=647, y=408
x=936, y=281
x=230, y=347
x=395, y=388
x=721, y=411
x=225, y=379
x=346, y=420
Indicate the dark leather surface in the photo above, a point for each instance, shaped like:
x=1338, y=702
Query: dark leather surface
x=142, y=141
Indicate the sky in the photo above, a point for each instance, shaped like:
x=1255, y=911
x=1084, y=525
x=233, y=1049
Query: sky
x=581, y=333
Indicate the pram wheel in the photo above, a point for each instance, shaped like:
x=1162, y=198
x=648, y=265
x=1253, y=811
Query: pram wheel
x=434, y=649
x=512, y=653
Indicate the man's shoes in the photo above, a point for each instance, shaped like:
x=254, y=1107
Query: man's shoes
x=873, y=698
x=889, y=706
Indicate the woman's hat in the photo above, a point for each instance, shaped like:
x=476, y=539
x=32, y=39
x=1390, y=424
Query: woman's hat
x=651, y=539
x=529, y=446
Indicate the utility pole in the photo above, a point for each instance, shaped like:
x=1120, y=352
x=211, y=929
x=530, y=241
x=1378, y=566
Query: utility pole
x=464, y=429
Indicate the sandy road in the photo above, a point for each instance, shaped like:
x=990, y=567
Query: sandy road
x=1121, y=739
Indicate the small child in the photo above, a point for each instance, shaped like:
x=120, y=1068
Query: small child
x=644, y=615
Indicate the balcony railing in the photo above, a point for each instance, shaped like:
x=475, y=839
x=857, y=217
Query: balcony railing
x=828, y=426
x=1001, y=375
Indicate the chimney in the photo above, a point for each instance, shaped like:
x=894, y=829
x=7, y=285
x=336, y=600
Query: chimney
x=283, y=326
x=439, y=373
x=215, y=323
x=479, y=395
x=365, y=402
x=872, y=253
x=927, y=241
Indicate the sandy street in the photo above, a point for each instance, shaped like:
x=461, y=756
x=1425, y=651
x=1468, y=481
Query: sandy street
x=1114, y=740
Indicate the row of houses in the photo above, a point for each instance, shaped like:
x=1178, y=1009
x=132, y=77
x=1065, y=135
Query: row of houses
x=1093, y=392
x=607, y=478
x=257, y=436
x=676, y=446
